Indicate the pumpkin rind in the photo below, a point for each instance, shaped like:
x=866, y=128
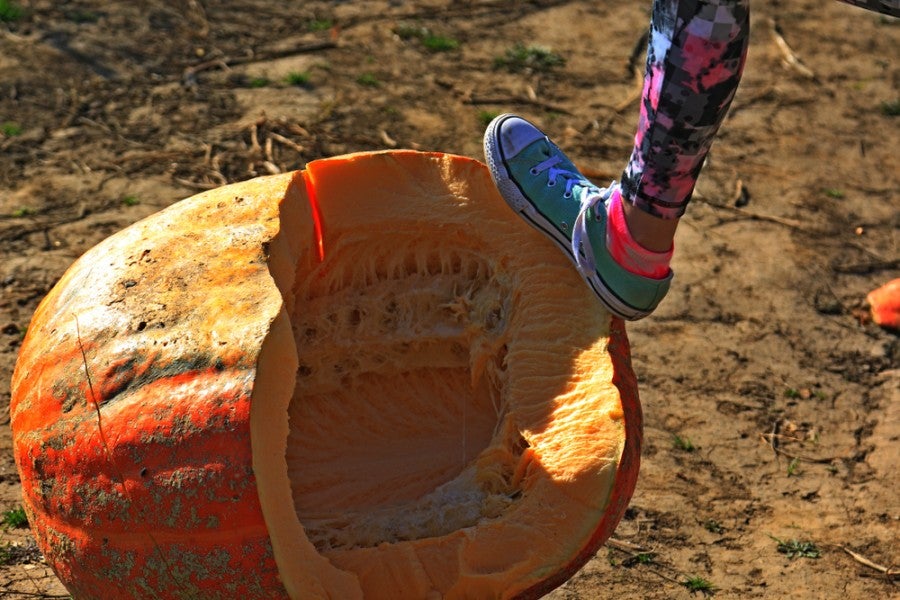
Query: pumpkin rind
x=149, y=397
x=131, y=404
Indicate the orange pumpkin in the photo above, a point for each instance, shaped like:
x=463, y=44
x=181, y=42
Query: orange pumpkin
x=884, y=304
x=368, y=379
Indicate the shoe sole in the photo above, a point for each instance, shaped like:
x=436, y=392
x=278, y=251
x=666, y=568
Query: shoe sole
x=517, y=200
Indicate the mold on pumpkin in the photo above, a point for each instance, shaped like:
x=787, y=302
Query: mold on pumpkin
x=367, y=379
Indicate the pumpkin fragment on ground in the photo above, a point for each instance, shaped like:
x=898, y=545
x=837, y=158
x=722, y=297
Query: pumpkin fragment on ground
x=393, y=389
x=884, y=304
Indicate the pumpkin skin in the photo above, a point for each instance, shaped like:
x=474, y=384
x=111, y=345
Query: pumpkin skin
x=884, y=304
x=368, y=379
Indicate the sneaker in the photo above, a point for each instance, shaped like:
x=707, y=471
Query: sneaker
x=539, y=182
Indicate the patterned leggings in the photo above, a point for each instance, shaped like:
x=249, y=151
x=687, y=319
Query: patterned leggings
x=695, y=59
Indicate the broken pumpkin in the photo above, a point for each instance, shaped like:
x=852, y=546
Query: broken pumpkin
x=368, y=379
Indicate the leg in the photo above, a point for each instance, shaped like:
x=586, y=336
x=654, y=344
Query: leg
x=697, y=50
x=695, y=59
x=694, y=63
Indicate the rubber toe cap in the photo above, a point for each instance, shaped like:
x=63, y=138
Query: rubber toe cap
x=515, y=134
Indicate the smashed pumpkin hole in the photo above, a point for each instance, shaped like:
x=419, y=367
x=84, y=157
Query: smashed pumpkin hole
x=398, y=392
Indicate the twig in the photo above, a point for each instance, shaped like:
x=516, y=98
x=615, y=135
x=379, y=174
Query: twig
x=254, y=139
x=189, y=75
x=634, y=550
x=635, y=94
x=195, y=185
x=216, y=171
x=637, y=51
x=867, y=267
x=741, y=196
x=517, y=100
x=269, y=163
x=286, y=141
x=146, y=157
x=197, y=7
x=790, y=59
x=270, y=167
x=891, y=572
x=297, y=129
x=809, y=459
x=634, y=69
x=387, y=139
x=771, y=439
x=36, y=594
x=269, y=156
x=624, y=546
x=749, y=214
x=106, y=128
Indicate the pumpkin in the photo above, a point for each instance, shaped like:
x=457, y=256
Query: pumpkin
x=367, y=379
x=884, y=304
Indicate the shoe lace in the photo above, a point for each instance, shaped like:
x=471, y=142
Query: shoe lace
x=589, y=196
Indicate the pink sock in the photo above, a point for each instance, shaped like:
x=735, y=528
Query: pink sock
x=625, y=250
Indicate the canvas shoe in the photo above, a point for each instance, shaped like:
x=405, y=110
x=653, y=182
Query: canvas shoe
x=538, y=181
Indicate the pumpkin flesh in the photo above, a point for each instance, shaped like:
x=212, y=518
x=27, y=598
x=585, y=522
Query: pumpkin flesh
x=434, y=408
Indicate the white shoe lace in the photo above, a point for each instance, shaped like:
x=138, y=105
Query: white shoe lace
x=591, y=195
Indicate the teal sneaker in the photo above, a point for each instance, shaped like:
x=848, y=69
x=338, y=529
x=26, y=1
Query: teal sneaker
x=539, y=182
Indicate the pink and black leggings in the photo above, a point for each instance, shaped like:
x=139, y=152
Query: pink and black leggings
x=695, y=58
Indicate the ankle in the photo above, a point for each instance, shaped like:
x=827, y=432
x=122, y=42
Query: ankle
x=640, y=246
x=651, y=232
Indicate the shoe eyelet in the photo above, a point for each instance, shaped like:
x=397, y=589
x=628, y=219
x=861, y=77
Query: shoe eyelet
x=551, y=183
x=567, y=195
x=564, y=225
x=533, y=171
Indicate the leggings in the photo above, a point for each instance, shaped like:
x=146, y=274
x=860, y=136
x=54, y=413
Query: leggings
x=695, y=58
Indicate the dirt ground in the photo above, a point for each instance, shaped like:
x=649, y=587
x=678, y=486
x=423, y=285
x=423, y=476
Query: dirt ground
x=772, y=410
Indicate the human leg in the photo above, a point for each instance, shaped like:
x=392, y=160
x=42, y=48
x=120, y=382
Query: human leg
x=695, y=58
x=621, y=237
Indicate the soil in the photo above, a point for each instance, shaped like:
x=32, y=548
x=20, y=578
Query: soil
x=771, y=403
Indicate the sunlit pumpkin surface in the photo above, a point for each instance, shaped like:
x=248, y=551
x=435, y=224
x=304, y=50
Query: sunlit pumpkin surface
x=366, y=380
